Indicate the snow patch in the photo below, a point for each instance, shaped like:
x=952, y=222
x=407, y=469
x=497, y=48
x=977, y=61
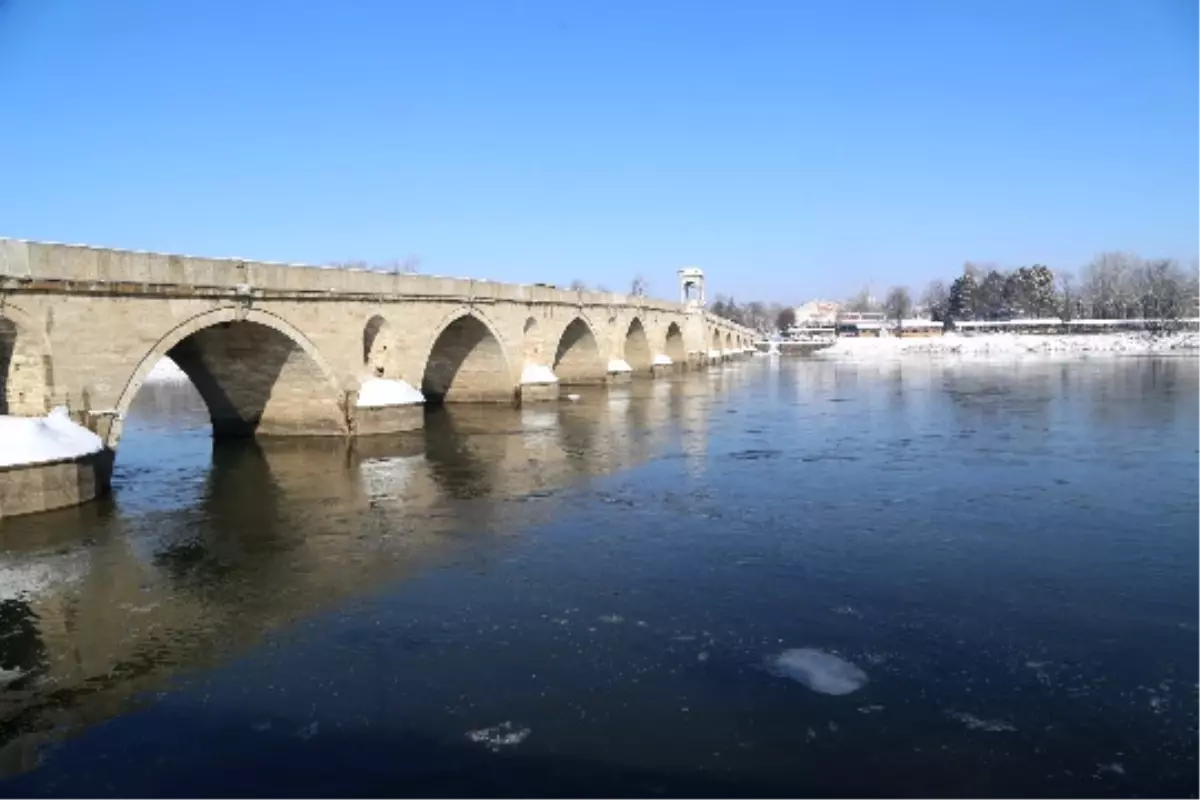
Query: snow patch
x=537, y=374
x=663, y=361
x=378, y=392
x=38, y=440
x=166, y=371
x=503, y=735
x=619, y=365
x=714, y=353
x=822, y=672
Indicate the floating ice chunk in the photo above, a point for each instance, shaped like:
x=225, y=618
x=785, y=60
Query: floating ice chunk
x=574, y=398
x=976, y=724
x=619, y=365
x=662, y=360
x=37, y=440
x=378, y=392
x=714, y=353
x=8, y=676
x=503, y=735
x=537, y=374
x=822, y=672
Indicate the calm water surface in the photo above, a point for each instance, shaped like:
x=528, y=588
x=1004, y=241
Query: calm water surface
x=589, y=599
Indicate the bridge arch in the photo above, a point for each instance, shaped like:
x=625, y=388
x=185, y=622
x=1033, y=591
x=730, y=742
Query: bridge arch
x=674, y=346
x=728, y=341
x=467, y=363
x=256, y=372
x=24, y=359
x=577, y=357
x=637, y=347
x=716, y=339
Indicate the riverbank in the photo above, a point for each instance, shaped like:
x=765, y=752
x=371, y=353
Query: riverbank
x=1013, y=345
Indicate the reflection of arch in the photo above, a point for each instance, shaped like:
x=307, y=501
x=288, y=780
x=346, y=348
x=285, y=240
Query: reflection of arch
x=577, y=358
x=674, y=346
x=257, y=374
x=24, y=364
x=637, y=347
x=467, y=363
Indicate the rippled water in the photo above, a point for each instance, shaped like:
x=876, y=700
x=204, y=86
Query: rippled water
x=986, y=574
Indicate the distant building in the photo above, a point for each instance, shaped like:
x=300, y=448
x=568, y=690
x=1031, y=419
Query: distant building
x=817, y=313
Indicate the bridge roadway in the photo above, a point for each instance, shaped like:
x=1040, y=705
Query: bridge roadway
x=278, y=349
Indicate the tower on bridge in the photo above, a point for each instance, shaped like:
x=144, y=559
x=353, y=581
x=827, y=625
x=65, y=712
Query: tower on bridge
x=691, y=287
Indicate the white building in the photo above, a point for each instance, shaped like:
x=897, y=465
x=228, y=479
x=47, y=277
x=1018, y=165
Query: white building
x=817, y=312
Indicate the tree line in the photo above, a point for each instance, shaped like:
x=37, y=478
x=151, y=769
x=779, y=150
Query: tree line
x=1111, y=286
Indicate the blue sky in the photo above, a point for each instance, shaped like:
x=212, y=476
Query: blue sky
x=791, y=149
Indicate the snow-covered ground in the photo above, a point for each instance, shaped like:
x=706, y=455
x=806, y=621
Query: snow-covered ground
x=37, y=440
x=377, y=392
x=166, y=371
x=1008, y=345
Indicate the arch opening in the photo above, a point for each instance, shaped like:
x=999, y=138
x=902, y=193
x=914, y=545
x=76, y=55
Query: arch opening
x=467, y=364
x=637, y=348
x=729, y=341
x=674, y=346
x=377, y=350
x=251, y=374
x=577, y=358
x=258, y=381
x=716, y=340
x=23, y=372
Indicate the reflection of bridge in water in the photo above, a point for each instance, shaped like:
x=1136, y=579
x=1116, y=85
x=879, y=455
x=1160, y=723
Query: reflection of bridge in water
x=102, y=602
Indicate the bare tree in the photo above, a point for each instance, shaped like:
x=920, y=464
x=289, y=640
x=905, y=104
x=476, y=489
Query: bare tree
x=409, y=265
x=578, y=286
x=640, y=286
x=898, y=304
x=1067, y=295
x=1165, y=294
x=785, y=319
x=862, y=301
x=936, y=300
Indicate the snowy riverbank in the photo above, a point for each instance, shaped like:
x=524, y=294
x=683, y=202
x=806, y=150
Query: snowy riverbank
x=1013, y=345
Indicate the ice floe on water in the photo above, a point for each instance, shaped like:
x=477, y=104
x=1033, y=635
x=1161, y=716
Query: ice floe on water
x=976, y=724
x=822, y=672
x=506, y=734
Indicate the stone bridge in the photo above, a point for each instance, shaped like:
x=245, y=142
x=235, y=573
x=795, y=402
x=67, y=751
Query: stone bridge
x=277, y=349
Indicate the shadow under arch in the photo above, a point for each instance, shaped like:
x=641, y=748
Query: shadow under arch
x=467, y=363
x=257, y=374
x=577, y=358
x=637, y=347
x=673, y=346
x=25, y=373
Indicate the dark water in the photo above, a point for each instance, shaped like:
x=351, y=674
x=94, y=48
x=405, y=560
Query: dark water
x=588, y=599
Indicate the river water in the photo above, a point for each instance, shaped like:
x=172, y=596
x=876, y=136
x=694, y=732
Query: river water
x=592, y=598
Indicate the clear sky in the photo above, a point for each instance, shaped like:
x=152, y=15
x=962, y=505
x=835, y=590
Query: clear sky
x=791, y=149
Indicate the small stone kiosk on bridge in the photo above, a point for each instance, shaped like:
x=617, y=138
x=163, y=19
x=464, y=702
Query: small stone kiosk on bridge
x=288, y=350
